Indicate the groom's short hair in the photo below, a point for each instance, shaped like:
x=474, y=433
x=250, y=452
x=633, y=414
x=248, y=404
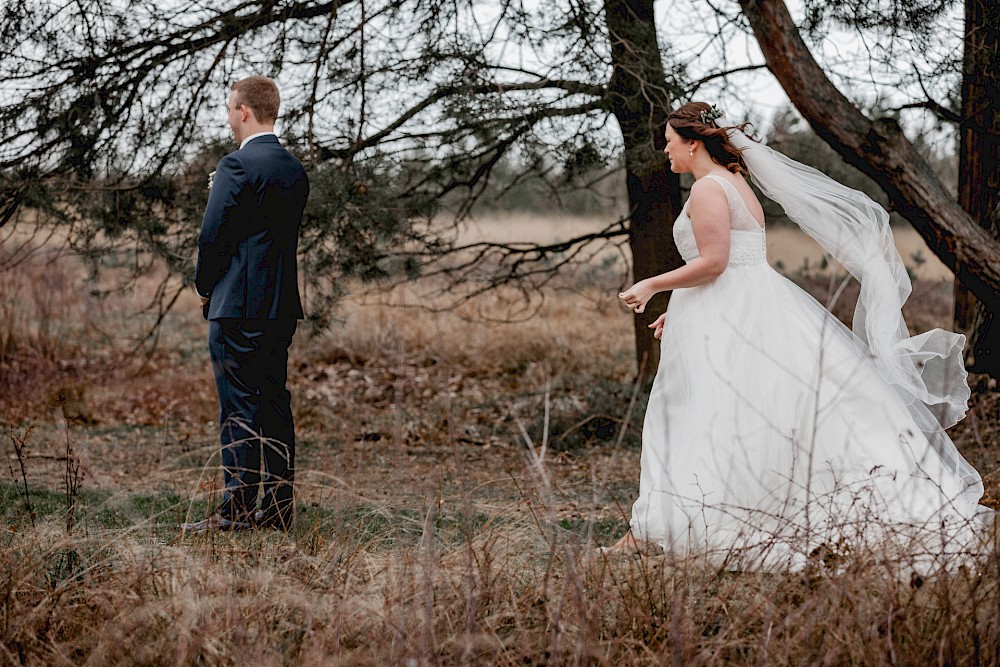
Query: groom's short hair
x=261, y=95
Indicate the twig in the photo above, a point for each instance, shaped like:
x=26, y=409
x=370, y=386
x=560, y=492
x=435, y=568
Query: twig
x=20, y=446
x=631, y=403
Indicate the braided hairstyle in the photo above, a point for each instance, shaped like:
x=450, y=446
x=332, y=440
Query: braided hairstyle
x=687, y=122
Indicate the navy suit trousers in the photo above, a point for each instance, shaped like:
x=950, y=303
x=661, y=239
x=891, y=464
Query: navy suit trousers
x=250, y=360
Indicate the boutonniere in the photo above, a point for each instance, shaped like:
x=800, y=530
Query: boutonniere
x=211, y=179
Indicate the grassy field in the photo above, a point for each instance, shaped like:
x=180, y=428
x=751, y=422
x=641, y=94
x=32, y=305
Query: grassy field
x=454, y=474
x=786, y=244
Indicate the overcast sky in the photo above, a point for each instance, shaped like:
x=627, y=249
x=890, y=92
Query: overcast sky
x=842, y=53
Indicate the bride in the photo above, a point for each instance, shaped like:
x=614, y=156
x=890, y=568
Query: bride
x=773, y=432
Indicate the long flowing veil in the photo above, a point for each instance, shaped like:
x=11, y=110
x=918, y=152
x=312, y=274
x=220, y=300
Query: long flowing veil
x=928, y=369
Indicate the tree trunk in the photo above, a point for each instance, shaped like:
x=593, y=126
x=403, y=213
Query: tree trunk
x=978, y=181
x=640, y=102
x=879, y=149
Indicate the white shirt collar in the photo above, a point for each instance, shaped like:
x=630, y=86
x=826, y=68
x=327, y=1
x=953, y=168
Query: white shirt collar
x=254, y=136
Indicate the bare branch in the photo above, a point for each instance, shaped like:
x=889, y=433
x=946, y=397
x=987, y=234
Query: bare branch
x=879, y=149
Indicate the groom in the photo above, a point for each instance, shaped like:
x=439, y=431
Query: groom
x=248, y=281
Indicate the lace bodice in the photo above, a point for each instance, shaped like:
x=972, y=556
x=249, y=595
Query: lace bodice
x=747, y=240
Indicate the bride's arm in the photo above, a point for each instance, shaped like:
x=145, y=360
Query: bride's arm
x=709, y=212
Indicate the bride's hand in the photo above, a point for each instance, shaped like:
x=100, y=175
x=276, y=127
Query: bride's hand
x=657, y=326
x=636, y=296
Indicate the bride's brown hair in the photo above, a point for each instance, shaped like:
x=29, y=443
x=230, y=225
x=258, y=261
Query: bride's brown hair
x=687, y=122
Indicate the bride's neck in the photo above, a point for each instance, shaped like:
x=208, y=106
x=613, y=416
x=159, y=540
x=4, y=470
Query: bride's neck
x=704, y=168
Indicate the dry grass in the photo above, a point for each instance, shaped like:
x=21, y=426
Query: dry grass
x=794, y=249
x=426, y=533
x=787, y=245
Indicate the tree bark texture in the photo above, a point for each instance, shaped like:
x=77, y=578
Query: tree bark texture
x=879, y=149
x=978, y=179
x=640, y=101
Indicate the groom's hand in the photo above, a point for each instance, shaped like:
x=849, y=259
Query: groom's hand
x=204, y=305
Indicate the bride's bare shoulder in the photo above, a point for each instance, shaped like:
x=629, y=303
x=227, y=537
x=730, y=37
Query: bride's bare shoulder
x=708, y=197
x=706, y=189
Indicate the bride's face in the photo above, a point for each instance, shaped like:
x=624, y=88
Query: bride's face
x=677, y=151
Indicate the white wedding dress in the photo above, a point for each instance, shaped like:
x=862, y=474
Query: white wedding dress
x=770, y=432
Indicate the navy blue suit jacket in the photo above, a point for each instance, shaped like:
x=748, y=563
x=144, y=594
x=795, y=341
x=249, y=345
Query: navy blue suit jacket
x=250, y=233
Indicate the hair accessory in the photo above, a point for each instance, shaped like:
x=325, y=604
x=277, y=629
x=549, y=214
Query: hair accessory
x=712, y=115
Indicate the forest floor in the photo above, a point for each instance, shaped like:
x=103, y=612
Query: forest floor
x=455, y=471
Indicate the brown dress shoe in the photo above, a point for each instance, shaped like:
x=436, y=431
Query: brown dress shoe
x=216, y=522
x=269, y=518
